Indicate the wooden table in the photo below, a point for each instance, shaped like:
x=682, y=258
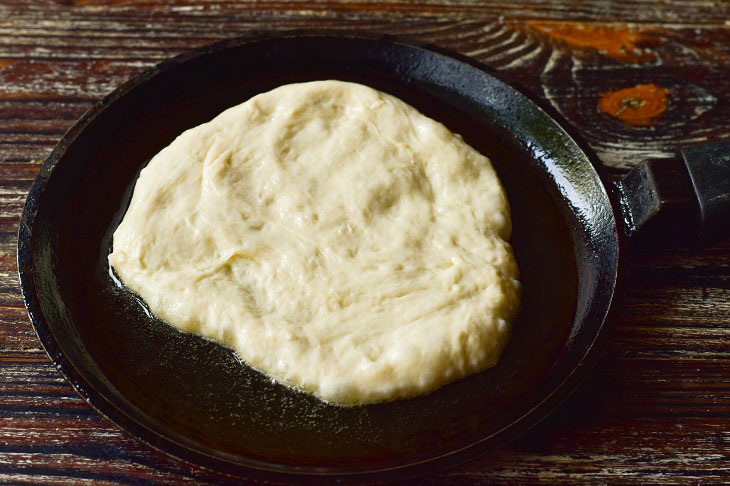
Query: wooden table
x=637, y=78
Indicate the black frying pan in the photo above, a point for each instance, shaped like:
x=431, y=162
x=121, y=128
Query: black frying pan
x=193, y=399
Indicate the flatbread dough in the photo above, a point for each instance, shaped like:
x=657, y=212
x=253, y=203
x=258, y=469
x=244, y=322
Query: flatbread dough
x=337, y=239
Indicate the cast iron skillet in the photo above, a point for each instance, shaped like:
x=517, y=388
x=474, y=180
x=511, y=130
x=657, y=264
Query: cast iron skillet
x=191, y=397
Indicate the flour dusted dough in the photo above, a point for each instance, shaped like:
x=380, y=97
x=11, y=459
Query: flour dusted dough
x=336, y=238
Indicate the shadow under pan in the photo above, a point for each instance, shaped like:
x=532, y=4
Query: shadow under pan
x=195, y=393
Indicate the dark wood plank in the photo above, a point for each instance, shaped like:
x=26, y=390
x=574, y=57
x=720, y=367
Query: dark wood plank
x=655, y=411
x=675, y=11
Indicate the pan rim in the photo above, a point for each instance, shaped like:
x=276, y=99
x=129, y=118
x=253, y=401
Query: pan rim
x=124, y=421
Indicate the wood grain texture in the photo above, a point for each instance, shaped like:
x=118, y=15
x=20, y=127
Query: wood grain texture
x=657, y=408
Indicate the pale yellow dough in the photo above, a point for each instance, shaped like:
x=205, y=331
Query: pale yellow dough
x=336, y=238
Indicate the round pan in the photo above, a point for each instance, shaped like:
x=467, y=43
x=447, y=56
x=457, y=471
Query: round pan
x=191, y=397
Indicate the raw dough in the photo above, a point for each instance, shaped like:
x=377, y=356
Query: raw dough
x=336, y=238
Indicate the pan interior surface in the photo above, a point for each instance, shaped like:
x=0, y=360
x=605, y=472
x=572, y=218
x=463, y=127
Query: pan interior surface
x=192, y=397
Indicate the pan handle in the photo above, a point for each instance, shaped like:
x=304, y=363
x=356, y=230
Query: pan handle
x=684, y=200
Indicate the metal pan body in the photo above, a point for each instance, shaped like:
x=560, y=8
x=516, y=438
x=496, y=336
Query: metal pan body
x=191, y=397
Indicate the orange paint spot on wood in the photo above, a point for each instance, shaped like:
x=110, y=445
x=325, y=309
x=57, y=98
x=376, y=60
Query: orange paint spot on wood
x=639, y=106
x=619, y=42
